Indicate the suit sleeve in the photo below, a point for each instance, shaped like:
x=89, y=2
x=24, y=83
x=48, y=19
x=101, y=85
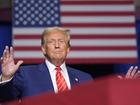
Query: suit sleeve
x=8, y=92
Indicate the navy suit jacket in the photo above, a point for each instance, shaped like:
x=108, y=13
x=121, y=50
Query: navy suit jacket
x=35, y=79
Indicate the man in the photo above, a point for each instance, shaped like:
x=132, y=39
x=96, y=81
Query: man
x=18, y=82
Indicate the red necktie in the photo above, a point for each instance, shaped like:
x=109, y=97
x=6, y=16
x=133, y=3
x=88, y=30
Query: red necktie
x=60, y=80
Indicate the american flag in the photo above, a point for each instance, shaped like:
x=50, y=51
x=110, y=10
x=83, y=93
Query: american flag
x=102, y=31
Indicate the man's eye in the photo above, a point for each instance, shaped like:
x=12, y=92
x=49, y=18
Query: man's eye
x=61, y=41
x=51, y=41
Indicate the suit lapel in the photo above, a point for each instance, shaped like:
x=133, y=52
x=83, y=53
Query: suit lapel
x=73, y=78
x=46, y=76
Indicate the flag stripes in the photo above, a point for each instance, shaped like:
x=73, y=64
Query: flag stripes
x=101, y=32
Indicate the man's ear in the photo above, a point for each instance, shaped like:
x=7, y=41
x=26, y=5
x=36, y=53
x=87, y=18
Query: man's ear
x=43, y=50
x=68, y=50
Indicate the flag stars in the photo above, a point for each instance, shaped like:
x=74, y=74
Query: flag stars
x=20, y=19
x=32, y=1
x=40, y=1
x=48, y=1
x=52, y=19
x=52, y=12
x=36, y=5
x=52, y=5
x=20, y=5
x=16, y=1
x=48, y=15
x=16, y=22
x=48, y=22
x=57, y=22
x=55, y=1
x=32, y=8
x=32, y=22
x=56, y=15
x=25, y=16
x=48, y=8
x=16, y=16
x=40, y=22
x=56, y=8
x=40, y=15
x=36, y=19
x=32, y=16
x=24, y=1
x=44, y=18
x=16, y=8
x=44, y=12
x=28, y=19
x=20, y=12
x=36, y=13
x=24, y=22
x=40, y=8
x=24, y=9
x=28, y=5
x=44, y=5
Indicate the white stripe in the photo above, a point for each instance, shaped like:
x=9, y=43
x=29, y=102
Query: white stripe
x=82, y=42
x=28, y=31
x=27, y=42
x=102, y=54
x=28, y=54
x=104, y=30
x=98, y=8
x=81, y=54
x=97, y=19
x=79, y=30
x=104, y=42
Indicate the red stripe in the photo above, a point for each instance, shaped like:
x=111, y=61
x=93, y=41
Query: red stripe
x=98, y=25
x=118, y=13
x=84, y=60
x=114, y=36
x=27, y=48
x=30, y=60
x=77, y=48
x=108, y=48
x=97, y=2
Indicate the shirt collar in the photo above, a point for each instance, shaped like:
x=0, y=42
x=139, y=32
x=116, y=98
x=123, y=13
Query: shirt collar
x=52, y=67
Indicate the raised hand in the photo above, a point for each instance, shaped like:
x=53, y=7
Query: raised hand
x=133, y=72
x=9, y=67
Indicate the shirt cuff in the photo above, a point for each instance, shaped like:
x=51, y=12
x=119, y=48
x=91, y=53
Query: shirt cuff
x=4, y=82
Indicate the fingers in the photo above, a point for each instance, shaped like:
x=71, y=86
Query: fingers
x=137, y=74
x=132, y=72
x=129, y=72
x=11, y=52
x=5, y=54
x=120, y=77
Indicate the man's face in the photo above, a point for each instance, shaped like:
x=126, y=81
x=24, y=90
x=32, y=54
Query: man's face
x=56, y=46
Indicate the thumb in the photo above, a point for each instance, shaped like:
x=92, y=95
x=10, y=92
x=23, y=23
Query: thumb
x=120, y=77
x=19, y=63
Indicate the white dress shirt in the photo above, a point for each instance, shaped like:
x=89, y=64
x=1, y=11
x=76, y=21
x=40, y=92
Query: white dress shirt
x=52, y=72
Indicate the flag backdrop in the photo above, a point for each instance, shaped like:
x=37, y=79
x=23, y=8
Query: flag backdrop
x=102, y=31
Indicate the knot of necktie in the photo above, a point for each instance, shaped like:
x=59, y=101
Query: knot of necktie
x=58, y=68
